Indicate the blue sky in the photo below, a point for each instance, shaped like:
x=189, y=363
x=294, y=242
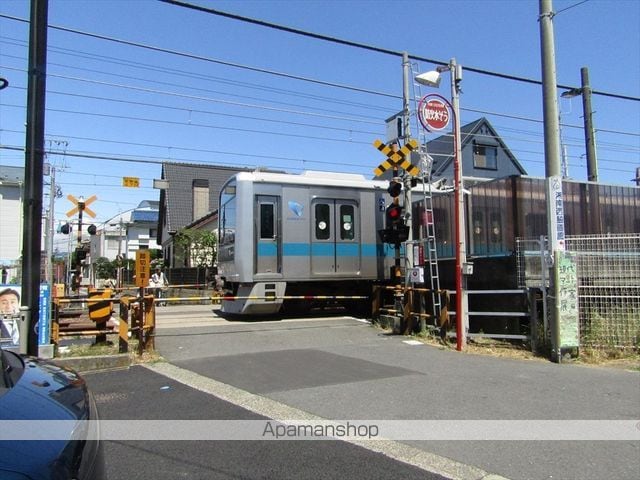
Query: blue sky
x=110, y=99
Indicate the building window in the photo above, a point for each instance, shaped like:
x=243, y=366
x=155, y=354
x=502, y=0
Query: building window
x=153, y=233
x=485, y=156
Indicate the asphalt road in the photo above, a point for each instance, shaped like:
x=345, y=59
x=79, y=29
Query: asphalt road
x=141, y=394
x=340, y=368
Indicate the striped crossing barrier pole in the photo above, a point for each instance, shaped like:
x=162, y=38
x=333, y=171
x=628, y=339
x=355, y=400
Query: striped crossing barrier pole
x=123, y=326
x=296, y=297
x=264, y=297
x=148, y=329
x=55, y=324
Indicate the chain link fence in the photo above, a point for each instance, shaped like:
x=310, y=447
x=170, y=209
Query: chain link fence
x=608, y=271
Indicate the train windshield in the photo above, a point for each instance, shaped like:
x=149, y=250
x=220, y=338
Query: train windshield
x=227, y=215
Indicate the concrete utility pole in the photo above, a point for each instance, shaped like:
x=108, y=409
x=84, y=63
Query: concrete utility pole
x=555, y=210
x=549, y=92
x=34, y=161
x=589, y=131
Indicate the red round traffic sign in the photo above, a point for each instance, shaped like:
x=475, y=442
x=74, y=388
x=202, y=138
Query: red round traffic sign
x=433, y=112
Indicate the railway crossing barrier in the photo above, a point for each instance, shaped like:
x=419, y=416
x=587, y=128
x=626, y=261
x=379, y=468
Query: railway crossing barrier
x=406, y=320
x=132, y=319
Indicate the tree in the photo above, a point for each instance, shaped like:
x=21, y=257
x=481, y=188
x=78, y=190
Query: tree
x=198, y=246
x=104, y=268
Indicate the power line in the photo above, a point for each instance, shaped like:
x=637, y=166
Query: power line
x=375, y=49
x=309, y=34
x=208, y=59
x=362, y=90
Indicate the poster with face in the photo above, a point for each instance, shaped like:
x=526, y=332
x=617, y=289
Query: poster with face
x=10, y=313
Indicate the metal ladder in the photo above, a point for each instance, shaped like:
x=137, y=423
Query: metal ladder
x=429, y=231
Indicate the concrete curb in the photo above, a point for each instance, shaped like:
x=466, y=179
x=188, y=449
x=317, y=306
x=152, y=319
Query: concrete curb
x=94, y=363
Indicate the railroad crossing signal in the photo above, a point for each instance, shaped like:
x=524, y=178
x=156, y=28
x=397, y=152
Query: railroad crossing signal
x=81, y=205
x=396, y=158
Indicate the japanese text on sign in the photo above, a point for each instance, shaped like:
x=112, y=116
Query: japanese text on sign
x=143, y=263
x=131, y=182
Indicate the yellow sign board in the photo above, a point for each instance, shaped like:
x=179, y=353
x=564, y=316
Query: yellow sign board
x=143, y=267
x=131, y=182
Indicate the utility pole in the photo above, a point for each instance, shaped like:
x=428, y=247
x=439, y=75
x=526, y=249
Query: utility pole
x=555, y=208
x=34, y=161
x=406, y=136
x=589, y=131
x=51, y=224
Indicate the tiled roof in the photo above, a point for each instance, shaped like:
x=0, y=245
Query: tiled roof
x=178, y=198
x=11, y=174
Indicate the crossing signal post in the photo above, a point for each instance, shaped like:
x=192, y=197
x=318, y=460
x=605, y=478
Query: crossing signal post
x=395, y=231
x=81, y=206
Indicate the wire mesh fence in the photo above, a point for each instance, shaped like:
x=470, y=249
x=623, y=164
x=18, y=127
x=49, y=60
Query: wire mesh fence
x=608, y=274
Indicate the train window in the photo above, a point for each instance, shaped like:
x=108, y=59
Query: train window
x=347, y=228
x=323, y=221
x=495, y=233
x=227, y=213
x=485, y=156
x=267, y=221
x=478, y=225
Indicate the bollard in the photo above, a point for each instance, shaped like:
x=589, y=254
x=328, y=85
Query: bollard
x=23, y=329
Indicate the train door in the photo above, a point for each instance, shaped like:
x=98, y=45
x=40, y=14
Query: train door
x=268, y=238
x=335, y=237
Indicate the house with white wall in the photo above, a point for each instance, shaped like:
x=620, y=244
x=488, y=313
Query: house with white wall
x=11, y=206
x=127, y=232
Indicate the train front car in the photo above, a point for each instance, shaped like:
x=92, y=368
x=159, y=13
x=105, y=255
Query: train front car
x=300, y=240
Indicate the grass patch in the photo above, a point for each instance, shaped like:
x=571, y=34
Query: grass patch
x=83, y=349
x=627, y=359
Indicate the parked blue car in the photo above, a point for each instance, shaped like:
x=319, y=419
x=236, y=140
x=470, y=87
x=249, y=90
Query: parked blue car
x=33, y=389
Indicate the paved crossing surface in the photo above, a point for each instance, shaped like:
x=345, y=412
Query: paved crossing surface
x=340, y=368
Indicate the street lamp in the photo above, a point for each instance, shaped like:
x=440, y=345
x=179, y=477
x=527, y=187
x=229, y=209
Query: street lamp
x=432, y=79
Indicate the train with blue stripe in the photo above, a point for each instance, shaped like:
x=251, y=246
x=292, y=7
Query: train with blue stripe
x=307, y=236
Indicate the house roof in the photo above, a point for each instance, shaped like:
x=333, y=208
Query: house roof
x=176, y=201
x=144, y=216
x=441, y=148
x=11, y=174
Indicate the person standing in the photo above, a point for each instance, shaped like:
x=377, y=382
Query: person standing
x=158, y=283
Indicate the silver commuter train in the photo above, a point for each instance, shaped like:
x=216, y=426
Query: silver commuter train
x=310, y=235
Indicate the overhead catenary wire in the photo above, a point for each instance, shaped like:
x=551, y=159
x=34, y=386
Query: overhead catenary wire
x=480, y=111
x=372, y=48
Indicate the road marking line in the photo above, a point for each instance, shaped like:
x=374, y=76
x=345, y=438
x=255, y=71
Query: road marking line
x=278, y=411
x=412, y=342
